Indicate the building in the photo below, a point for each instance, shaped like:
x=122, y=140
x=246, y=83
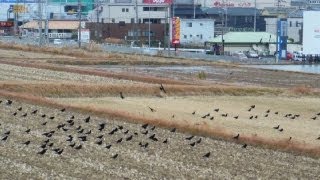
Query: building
x=56, y=29
x=262, y=42
x=195, y=32
x=125, y=11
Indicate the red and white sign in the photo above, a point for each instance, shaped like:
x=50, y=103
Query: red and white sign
x=157, y=1
x=175, y=30
x=243, y=3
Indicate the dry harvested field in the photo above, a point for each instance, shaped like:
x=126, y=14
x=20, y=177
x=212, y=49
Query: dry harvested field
x=68, y=120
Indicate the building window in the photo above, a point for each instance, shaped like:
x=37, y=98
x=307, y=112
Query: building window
x=132, y=20
x=123, y=10
x=290, y=24
x=201, y=37
x=190, y=35
x=113, y=20
x=189, y=24
x=185, y=36
x=127, y=9
x=201, y=24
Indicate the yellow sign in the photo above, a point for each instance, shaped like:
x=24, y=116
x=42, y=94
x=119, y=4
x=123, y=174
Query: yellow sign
x=19, y=8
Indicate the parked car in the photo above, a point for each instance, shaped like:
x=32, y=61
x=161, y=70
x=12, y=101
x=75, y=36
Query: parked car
x=251, y=54
x=289, y=55
x=239, y=55
x=57, y=41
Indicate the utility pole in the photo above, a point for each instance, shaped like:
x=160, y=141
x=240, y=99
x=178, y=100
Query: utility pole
x=40, y=21
x=135, y=35
x=255, y=16
x=194, y=9
x=149, y=37
x=79, y=14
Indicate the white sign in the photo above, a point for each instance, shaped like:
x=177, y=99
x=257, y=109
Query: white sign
x=234, y=3
x=311, y=32
x=85, y=35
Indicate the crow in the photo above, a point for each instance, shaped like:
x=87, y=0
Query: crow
x=244, y=146
x=4, y=138
x=7, y=133
x=42, y=152
x=172, y=116
x=50, y=145
x=119, y=140
x=83, y=138
x=216, y=110
x=78, y=128
x=165, y=141
x=189, y=138
x=65, y=130
x=113, y=131
x=101, y=126
x=63, y=109
x=99, y=142
x=207, y=155
x=212, y=118
x=266, y=115
x=78, y=147
x=26, y=143
x=318, y=114
x=193, y=144
x=19, y=109
x=276, y=112
x=162, y=88
x=88, y=132
x=59, y=152
x=268, y=111
x=146, y=132
x=154, y=127
x=60, y=126
x=318, y=138
x=256, y=117
x=203, y=117
x=249, y=109
x=144, y=126
x=108, y=146
x=250, y=117
x=173, y=130
x=277, y=127
x=199, y=141
x=70, y=138
x=86, y=120
x=43, y=124
x=290, y=138
x=154, y=139
x=145, y=145
x=43, y=146
x=121, y=95
x=9, y=102
x=27, y=131
x=15, y=113
x=43, y=115
x=129, y=138
x=236, y=137
x=46, y=141
x=151, y=109
x=126, y=132
x=314, y=118
x=236, y=117
x=193, y=113
x=120, y=127
x=72, y=117
x=52, y=117
x=281, y=129
x=224, y=115
x=114, y=156
x=24, y=115
x=72, y=145
x=100, y=137
x=70, y=121
x=152, y=136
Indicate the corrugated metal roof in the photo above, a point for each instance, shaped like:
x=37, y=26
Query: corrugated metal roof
x=246, y=37
x=71, y=25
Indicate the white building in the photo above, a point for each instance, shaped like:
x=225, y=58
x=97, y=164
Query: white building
x=117, y=11
x=196, y=31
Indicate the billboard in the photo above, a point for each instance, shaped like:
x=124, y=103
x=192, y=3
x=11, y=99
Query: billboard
x=311, y=32
x=175, y=30
x=157, y=1
x=233, y=3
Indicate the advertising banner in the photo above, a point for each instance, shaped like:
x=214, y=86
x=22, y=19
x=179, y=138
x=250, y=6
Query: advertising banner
x=157, y=1
x=175, y=30
x=311, y=32
x=233, y=3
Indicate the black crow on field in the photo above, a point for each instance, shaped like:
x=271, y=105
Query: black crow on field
x=121, y=95
x=162, y=88
x=236, y=137
x=207, y=155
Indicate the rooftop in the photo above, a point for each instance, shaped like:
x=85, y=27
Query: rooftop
x=71, y=25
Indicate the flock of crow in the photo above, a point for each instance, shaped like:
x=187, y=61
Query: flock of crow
x=76, y=134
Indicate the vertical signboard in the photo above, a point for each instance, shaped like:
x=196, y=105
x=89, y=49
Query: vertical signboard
x=311, y=32
x=175, y=30
x=282, y=38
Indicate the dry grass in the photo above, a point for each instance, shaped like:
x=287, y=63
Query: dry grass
x=94, y=90
x=200, y=129
x=302, y=90
x=147, y=79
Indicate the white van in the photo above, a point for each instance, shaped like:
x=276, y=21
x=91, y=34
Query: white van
x=57, y=41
